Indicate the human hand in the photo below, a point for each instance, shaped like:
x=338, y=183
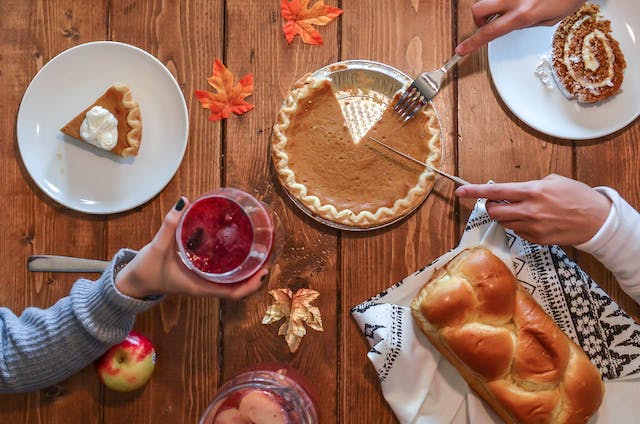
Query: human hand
x=513, y=14
x=158, y=269
x=554, y=210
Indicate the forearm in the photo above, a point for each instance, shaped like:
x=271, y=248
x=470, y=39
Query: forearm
x=617, y=243
x=44, y=347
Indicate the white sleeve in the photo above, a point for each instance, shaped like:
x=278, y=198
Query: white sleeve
x=617, y=244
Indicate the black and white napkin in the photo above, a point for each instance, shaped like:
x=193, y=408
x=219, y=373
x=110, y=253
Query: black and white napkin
x=422, y=387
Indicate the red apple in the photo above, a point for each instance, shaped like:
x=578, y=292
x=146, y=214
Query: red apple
x=128, y=365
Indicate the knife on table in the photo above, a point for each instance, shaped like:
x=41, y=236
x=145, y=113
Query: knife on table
x=52, y=263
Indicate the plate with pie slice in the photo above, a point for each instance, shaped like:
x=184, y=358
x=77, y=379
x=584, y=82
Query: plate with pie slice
x=525, y=67
x=102, y=127
x=323, y=156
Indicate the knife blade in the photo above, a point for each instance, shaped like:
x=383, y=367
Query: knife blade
x=453, y=178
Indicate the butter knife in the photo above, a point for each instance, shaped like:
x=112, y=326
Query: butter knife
x=52, y=263
x=453, y=178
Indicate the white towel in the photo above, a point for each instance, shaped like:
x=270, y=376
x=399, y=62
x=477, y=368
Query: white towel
x=422, y=387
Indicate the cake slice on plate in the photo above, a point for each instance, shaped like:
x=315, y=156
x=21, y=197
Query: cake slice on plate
x=587, y=61
x=112, y=123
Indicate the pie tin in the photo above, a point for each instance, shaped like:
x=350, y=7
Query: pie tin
x=363, y=89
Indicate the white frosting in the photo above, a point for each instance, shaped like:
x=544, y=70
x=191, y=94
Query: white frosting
x=100, y=128
x=590, y=60
x=542, y=72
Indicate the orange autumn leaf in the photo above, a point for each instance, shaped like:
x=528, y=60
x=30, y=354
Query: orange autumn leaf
x=227, y=97
x=300, y=19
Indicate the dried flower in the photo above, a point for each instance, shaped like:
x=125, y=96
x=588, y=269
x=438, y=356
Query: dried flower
x=297, y=310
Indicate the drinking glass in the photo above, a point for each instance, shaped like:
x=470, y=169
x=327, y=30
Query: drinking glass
x=269, y=393
x=227, y=235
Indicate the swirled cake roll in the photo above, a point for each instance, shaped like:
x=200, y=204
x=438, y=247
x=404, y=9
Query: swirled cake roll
x=586, y=60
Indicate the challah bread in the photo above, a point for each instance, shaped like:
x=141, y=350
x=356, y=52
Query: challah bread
x=504, y=345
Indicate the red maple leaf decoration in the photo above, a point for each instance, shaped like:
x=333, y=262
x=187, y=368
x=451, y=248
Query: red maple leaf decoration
x=228, y=97
x=300, y=19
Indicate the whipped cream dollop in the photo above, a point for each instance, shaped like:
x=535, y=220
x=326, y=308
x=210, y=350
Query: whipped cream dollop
x=100, y=128
x=543, y=71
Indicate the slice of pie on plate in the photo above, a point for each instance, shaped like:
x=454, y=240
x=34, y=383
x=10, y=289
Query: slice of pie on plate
x=355, y=184
x=112, y=123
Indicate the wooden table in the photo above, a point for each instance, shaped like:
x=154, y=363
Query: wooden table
x=203, y=342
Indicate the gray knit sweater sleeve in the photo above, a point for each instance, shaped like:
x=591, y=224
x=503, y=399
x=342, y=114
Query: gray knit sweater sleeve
x=45, y=346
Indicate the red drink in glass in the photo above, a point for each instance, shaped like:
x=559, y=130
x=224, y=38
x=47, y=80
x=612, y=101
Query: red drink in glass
x=266, y=394
x=227, y=235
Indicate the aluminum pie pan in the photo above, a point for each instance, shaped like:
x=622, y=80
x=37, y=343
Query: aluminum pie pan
x=364, y=89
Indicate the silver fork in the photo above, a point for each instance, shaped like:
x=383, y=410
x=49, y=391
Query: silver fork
x=423, y=89
x=426, y=86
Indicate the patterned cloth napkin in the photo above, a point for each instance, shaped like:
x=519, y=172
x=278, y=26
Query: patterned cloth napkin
x=422, y=387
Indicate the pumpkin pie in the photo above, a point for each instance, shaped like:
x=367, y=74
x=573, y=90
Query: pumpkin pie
x=356, y=184
x=117, y=103
x=587, y=61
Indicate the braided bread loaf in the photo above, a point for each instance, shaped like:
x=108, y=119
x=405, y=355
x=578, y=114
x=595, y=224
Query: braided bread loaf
x=504, y=345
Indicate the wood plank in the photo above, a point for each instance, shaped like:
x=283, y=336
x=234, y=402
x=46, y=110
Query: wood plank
x=494, y=144
x=414, y=37
x=32, y=33
x=184, y=37
x=195, y=354
x=603, y=162
x=256, y=43
x=519, y=153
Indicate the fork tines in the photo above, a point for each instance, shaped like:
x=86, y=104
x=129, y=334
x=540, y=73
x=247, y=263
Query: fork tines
x=410, y=103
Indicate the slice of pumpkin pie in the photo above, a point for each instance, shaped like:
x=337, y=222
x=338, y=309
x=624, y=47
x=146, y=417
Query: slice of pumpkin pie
x=112, y=123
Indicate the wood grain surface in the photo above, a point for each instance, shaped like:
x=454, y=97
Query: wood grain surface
x=395, y=33
x=203, y=342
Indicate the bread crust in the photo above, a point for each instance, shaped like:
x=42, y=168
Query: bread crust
x=512, y=354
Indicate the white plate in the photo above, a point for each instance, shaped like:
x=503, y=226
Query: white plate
x=513, y=60
x=80, y=176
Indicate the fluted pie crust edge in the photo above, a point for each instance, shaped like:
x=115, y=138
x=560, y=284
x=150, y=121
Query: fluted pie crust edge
x=302, y=90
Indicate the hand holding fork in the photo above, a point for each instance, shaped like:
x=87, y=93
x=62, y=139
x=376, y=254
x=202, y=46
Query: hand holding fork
x=425, y=87
x=514, y=14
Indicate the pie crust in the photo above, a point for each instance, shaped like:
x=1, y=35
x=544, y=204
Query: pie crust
x=352, y=184
x=117, y=100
